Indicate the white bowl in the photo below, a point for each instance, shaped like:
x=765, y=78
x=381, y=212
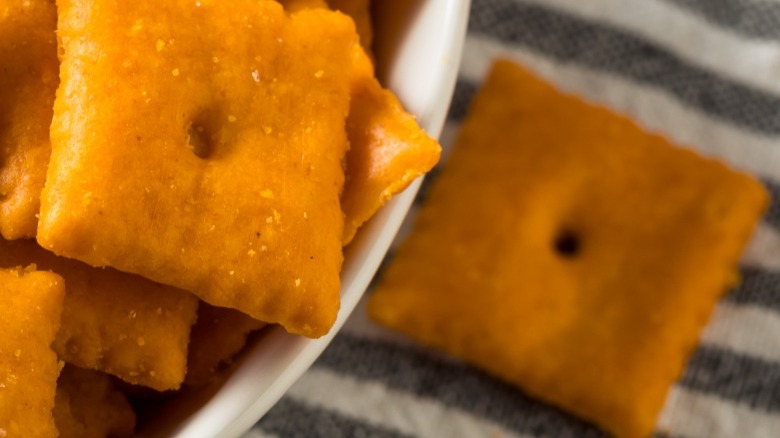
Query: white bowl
x=418, y=47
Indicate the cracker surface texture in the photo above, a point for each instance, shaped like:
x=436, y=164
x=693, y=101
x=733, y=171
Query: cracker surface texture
x=199, y=144
x=388, y=149
x=218, y=335
x=88, y=406
x=120, y=323
x=293, y=6
x=28, y=80
x=29, y=319
x=570, y=253
x=360, y=11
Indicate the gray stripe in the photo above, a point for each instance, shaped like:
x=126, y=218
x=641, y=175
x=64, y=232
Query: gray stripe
x=664, y=434
x=752, y=18
x=425, y=187
x=292, y=419
x=464, y=93
x=565, y=38
x=452, y=384
x=733, y=376
x=461, y=99
x=759, y=288
x=773, y=213
x=711, y=370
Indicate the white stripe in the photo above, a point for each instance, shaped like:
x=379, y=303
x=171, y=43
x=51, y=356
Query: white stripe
x=753, y=62
x=374, y=403
x=763, y=251
x=686, y=412
x=745, y=329
x=656, y=110
x=693, y=414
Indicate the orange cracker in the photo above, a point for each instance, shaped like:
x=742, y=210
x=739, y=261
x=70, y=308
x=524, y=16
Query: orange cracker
x=360, y=11
x=29, y=318
x=88, y=406
x=388, y=150
x=293, y=6
x=115, y=322
x=28, y=79
x=569, y=252
x=206, y=158
x=216, y=338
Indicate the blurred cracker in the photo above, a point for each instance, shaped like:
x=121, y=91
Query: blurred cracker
x=87, y=405
x=568, y=252
x=358, y=10
x=216, y=338
x=28, y=79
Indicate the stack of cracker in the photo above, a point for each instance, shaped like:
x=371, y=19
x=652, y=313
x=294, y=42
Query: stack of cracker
x=164, y=163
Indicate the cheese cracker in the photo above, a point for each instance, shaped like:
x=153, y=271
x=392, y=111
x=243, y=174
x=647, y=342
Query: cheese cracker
x=568, y=252
x=208, y=156
x=216, y=338
x=293, y=6
x=387, y=148
x=360, y=11
x=88, y=406
x=29, y=319
x=115, y=322
x=28, y=79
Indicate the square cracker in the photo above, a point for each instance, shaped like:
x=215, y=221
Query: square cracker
x=566, y=251
x=387, y=148
x=115, y=322
x=29, y=319
x=209, y=154
x=28, y=79
x=87, y=405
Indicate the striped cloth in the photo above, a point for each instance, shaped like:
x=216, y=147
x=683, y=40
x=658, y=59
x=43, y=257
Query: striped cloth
x=705, y=73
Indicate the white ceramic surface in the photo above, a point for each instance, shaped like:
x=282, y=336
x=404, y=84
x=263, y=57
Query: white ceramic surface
x=421, y=70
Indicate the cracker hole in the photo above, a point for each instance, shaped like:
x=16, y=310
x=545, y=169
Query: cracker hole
x=199, y=140
x=567, y=244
